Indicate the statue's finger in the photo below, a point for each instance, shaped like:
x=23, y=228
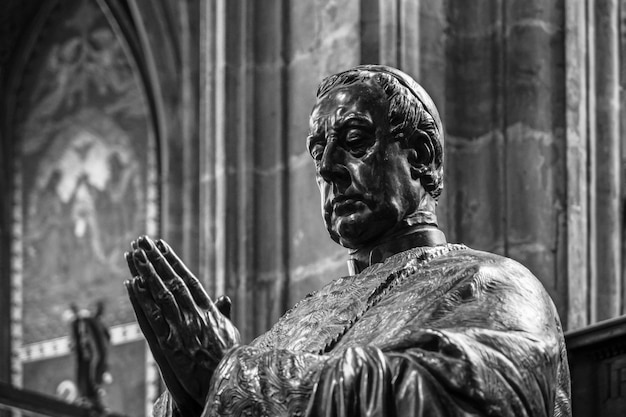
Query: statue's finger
x=195, y=288
x=169, y=335
x=174, y=386
x=162, y=296
x=144, y=325
x=224, y=305
x=143, y=303
x=131, y=264
x=189, y=324
x=172, y=339
x=167, y=274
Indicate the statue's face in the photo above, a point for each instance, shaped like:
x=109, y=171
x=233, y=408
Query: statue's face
x=363, y=174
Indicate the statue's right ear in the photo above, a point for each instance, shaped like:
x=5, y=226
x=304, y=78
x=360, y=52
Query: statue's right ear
x=420, y=154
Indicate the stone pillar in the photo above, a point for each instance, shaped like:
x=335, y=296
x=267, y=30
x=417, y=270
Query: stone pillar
x=594, y=173
x=534, y=121
x=189, y=34
x=505, y=119
x=226, y=157
x=474, y=194
x=606, y=225
x=390, y=34
x=269, y=145
x=576, y=142
x=211, y=98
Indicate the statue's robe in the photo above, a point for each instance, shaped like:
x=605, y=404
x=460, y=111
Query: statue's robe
x=438, y=331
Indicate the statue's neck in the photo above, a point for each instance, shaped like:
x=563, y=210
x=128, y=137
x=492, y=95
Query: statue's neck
x=413, y=234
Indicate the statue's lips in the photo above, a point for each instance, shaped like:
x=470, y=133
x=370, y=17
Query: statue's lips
x=344, y=205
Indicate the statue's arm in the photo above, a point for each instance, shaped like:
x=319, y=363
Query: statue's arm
x=451, y=374
x=255, y=382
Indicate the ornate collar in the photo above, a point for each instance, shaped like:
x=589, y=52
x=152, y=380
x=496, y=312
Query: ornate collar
x=415, y=236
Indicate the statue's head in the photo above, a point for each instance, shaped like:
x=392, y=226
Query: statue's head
x=377, y=141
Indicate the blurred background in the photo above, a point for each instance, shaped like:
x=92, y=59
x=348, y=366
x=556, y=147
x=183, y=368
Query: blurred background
x=187, y=120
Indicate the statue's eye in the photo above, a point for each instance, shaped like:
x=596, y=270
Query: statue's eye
x=354, y=136
x=317, y=151
x=357, y=141
x=316, y=144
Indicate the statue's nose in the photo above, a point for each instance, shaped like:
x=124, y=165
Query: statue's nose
x=332, y=165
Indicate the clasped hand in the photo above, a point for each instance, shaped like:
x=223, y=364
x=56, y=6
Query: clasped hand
x=187, y=332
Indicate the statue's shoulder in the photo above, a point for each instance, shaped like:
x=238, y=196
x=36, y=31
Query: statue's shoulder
x=501, y=285
x=491, y=267
x=484, y=260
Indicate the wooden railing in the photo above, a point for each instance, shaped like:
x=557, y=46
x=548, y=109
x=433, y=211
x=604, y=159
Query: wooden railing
x=597, y=359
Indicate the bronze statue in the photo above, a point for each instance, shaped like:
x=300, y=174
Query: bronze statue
x=421, y=327
x=91, y=342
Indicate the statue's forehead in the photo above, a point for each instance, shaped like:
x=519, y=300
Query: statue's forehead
x=346, y=101
x=364, y=91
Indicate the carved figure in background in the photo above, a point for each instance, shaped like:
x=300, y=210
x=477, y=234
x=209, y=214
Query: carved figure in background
x=421, y=327
x=91, y=341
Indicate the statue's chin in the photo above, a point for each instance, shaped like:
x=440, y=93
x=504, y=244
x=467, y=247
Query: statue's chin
x=353, y=231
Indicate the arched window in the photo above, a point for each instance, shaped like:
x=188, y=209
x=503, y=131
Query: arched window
x=82, y=142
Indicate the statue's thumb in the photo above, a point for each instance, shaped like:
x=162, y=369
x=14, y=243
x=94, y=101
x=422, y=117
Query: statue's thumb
x=224, y=304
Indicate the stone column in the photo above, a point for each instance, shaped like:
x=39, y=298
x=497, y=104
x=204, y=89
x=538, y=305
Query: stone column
x=605, y=149
x=390, y=34
x=270, y=40
x=474, y=194
x=534, y=120
x=226, y=157
x=576, y=142
x=505, y=119
x=594, y=173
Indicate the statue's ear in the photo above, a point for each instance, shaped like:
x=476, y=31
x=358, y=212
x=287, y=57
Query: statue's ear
x=420, y=154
